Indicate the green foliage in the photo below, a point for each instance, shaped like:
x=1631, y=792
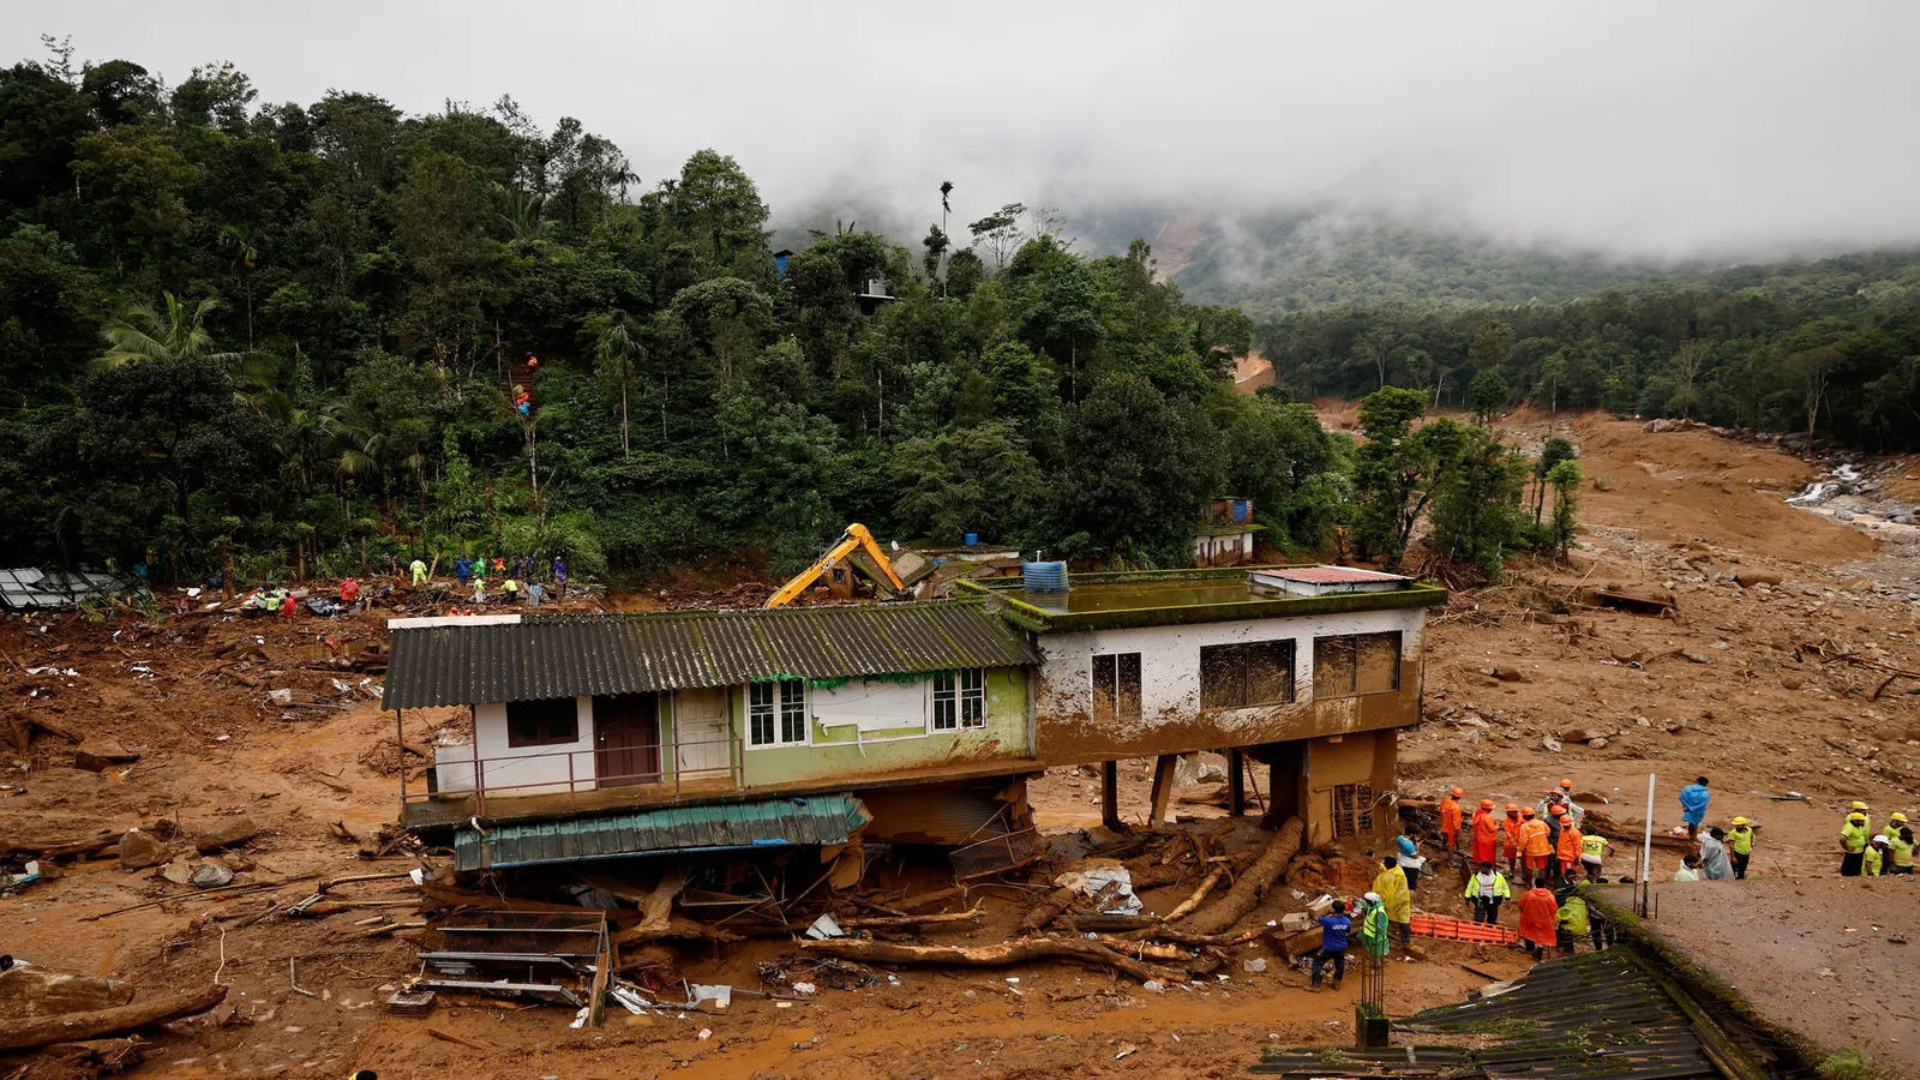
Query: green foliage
x=1487, y=395
x=1476, y=511
x=1855, y=1063
x=1565, y=479
x=351, y=301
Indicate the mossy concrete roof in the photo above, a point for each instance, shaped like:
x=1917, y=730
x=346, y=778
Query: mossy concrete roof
x=1174, y=597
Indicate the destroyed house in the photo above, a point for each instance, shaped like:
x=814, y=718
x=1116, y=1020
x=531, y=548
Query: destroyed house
x=1312, y=670
x=584, y=714
x=924, y=718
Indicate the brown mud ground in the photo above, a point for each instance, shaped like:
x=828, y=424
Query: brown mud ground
x=1719, y=686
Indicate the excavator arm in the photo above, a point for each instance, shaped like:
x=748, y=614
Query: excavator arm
x=856, y=537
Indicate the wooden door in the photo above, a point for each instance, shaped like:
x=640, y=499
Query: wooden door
x=626, y=739
x=702, y=725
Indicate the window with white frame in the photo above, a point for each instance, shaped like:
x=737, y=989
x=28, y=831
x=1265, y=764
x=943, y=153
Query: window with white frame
x=960, y=700
x=777, y=713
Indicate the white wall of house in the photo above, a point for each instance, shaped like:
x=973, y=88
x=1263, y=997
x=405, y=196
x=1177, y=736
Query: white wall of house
x=509, y=770
x=1170, y=660
x=1207, y=548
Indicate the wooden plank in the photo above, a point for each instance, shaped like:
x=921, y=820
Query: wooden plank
x=1162, y=788
x=1236, y=783
x=1110, y=794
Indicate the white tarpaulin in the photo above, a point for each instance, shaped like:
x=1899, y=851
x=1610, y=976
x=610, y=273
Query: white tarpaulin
x=872, y=705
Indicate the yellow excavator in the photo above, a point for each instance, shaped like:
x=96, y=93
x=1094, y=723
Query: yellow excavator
x=856, y=536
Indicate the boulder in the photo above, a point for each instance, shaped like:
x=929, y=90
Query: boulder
x=30, y=992
x=1747, y=579
x=98, y=755
x=179, y=871
x=1598, y=742
x=237, y=830
x=139, y=850
x=1507, y=674
x=212, y=876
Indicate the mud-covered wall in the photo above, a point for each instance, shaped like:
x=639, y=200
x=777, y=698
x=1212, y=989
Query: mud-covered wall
x=1171, y=720
x=1368, y=757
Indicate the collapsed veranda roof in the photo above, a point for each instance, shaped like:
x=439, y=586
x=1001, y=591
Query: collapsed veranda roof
x=464, y=661
x=817, y=819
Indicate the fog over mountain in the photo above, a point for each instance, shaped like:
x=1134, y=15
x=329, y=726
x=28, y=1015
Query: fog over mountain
x=1642, y=130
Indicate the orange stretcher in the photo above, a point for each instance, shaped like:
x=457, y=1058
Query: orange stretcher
x=1448, y=928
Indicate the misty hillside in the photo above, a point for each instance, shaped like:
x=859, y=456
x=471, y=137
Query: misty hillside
x=1279, y=262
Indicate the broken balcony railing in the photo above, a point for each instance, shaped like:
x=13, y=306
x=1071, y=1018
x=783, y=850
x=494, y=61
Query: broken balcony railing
x=663, y=769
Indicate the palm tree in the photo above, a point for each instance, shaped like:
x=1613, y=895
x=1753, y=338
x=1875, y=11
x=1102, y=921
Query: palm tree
x=173, y=332
x=618, y=354
x=245, y=257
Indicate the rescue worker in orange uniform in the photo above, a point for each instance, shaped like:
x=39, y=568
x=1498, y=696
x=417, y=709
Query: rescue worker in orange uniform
x=1535, y=846
x=1450, y=819
x=1510, y=837
x=1486, y=834
x=1539, y=917
x=1569, y=850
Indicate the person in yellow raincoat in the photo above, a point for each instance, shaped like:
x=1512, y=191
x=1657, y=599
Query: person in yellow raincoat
x=1397, y=899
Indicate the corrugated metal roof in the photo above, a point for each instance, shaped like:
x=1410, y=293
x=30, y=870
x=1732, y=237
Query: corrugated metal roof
x=819, y=819
x=550, y=656
x=30, y=588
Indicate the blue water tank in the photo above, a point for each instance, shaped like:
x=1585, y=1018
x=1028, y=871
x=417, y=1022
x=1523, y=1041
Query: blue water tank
x=1044, y=577
x=971, y=539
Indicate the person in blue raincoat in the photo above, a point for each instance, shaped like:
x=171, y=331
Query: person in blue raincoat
x=1693, y=805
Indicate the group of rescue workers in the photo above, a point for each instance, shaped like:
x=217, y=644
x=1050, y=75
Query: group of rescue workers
x=1865, y=853
x=1545, y=847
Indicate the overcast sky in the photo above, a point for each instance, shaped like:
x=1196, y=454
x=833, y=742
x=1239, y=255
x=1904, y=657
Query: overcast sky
x=1642, y=128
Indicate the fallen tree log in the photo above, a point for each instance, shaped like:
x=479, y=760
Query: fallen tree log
x=78, y=1027
x=924, y=899
x=1253, y=884
x=59, y=849
x=1206, y=886
x=1145, y=950
x=1182, y=937
x=1048, y=909
x=894, y=922
x=1006, y=954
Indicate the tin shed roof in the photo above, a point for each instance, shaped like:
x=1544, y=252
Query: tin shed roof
x=819, y=819
x=525, y=658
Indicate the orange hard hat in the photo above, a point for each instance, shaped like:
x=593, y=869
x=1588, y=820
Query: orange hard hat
x=1513, y=806
x=1568, y=784
x=1459, y=791
x=1559, y=809
x=1486, y=804
x=1528, y=812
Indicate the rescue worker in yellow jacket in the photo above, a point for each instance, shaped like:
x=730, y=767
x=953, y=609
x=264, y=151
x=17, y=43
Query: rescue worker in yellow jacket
x=1853, y=844
x=1874, y=860
x=1570, y=923
x=1899, y=852
x=1487, y=889
x=1895, y=823
x=1740, y=847
x=1397, y=899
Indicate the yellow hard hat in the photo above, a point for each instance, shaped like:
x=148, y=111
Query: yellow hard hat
x=1739, y=821
x=1898, y=816
x=1858, y=805
x=1857, y=817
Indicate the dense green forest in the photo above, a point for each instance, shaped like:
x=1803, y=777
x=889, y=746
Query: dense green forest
x=1834, y=344
x=1273, y=264
x=299, y=338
